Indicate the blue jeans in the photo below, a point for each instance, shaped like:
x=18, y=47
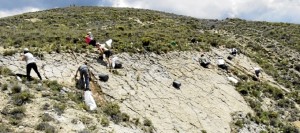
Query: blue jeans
x=84, y=78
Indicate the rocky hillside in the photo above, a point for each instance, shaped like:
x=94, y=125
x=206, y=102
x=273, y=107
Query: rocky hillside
x=156, y=48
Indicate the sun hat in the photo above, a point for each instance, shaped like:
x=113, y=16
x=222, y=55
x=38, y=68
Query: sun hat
x=26, y=49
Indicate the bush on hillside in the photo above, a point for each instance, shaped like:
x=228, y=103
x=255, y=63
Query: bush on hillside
x=46, y=127
x=53, y=85
x=4, y=128
x=5, y=71
x=22, y=98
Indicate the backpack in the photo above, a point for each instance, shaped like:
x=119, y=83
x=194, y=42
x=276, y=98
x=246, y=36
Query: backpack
x=118, y=64
x=103, y=77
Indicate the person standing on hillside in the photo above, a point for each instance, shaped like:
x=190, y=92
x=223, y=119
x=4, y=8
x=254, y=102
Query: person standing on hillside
x=30, y=64
x=85, y=75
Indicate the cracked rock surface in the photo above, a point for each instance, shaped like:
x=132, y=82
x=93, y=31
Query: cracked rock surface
x=143, y=88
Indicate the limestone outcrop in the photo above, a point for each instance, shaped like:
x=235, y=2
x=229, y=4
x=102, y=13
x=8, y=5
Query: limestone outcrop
x=143, y=88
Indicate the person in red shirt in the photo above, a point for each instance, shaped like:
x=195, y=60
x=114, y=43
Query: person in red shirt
x=87, y=38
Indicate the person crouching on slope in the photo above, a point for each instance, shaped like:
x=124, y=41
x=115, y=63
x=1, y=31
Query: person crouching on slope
x=106, y=52
x=30, y=64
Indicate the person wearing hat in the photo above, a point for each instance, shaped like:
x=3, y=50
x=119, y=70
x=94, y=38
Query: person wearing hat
x=204, y=62
x=89, y=39
x=30, y=64
x=85, y=75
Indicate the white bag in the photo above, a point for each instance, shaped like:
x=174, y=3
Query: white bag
x=108, y=43
x=113, y=61
x=89, y=100
x=233, y=80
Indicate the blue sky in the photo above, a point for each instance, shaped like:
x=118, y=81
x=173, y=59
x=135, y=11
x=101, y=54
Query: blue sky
x=258, y=10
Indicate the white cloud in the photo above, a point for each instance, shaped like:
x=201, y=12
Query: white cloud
x=263, y=10
x=5, y=13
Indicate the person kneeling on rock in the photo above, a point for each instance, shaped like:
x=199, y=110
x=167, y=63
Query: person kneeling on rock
x=221, y=64
x=85, y=75
x=204, y=62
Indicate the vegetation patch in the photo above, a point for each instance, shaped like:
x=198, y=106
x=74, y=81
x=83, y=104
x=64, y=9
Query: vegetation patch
x=59, y=107
x=4, y=87
x=22, y=98
x=47, y=117
x=4, y=128
x=104, y=122
x=53, y=85
x=46, y=127
x=5, y=71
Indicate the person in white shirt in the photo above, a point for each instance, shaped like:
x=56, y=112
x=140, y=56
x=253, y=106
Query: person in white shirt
x=105, y=52
x=221, y=63
x=30, y=64
x=257, y=71
x=204, y=61
x=233, y=51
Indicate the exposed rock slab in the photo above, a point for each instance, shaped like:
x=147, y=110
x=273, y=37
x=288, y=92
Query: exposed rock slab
x=144, y=89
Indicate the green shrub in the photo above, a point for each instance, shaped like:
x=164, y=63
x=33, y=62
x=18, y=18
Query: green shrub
x=9, y=52
x=16, y=88
x=147, y=122
x=85, y=120
x=111, y=109
x=285, y=103
x=82, y=105
x=145, y=41
x=45, y=127
x=22, y=98
x=136, y=121
x=5, y=71
x=4, y=87
x=59, y=107
x=288, y=128
x=53, y=85
x=4, y=128
x=104, y=122
x=46, y=117
x=84, y=131
x=17, y=113
x=239, y=123
x=77, y=97
x=14, y=122
x=46, y=106
x=125, y=117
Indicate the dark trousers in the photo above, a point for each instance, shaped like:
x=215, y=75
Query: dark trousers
x=92, y=42
x=84, y=78
x=205, y=65
x=107, y=53
x=257, y=73
x=223, y=66
x=28, y=69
